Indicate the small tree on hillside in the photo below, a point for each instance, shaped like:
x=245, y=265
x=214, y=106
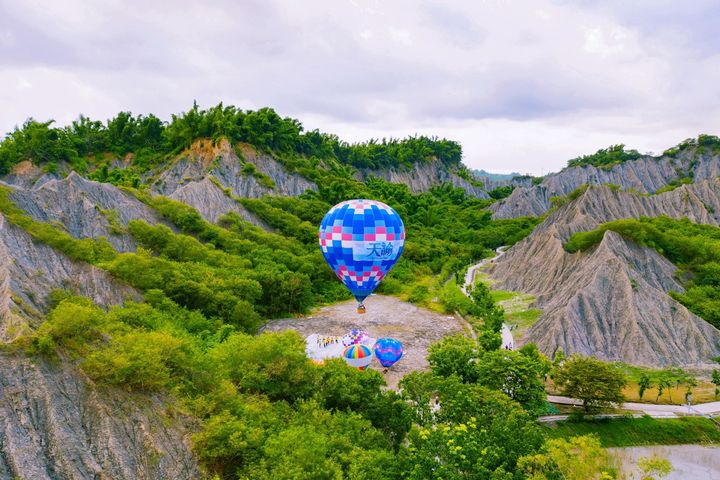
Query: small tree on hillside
x=716, y=381
x=492, y=315
x=643, y=384
x=596, y=383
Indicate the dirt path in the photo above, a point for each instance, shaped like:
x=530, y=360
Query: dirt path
x=415, y=327
x=507, y=337
x=472, y=270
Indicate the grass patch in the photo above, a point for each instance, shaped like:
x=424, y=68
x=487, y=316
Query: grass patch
x=501, y=295
x=520, y=316
x=526, y=318
x=702, y=393
x=627, y=432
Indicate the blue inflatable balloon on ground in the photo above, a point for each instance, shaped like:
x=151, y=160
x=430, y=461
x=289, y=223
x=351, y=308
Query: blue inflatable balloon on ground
x=361, y=240
x=388, y=351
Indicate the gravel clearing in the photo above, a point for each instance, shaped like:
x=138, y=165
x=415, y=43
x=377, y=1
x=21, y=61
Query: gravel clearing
x=417, y=328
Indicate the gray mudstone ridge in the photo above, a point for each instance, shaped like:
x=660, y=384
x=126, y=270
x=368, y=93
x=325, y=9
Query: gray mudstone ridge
x=85, y=209
x=645, y=175
x=492, y=184
x=612, y=301
x=212, y=202
x=30, y=270
x=222, y=162
x=422, y=176
x=55, y=425
x=27, y=175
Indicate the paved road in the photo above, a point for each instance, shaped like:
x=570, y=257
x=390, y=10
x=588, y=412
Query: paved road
x=507, y=337
x=559, y=418
x=711, y=408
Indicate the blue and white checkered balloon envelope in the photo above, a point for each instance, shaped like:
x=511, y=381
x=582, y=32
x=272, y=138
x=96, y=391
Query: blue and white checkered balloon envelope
x=361, y=240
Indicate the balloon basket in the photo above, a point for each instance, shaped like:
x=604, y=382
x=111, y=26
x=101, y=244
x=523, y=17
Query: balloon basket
x=361, y=309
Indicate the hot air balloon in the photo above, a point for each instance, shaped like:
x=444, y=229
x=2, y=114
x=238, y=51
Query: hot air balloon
x=358, y=356
x=354, y=336
x=361, y=240
x=388, y=351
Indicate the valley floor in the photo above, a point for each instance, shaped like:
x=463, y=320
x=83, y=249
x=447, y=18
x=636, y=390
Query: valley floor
x=417, y=328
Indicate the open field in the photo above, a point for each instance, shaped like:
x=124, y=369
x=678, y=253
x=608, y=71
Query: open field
x=703, y=393
x=417, y=328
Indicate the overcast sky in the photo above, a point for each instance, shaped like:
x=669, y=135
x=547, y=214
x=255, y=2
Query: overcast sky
x=523, y=85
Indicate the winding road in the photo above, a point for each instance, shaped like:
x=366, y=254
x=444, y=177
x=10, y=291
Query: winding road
x=508, y=342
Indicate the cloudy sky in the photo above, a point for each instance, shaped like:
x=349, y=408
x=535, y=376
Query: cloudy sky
x=523, y=85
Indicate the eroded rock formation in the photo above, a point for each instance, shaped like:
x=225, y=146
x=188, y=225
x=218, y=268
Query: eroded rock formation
x=612, y=301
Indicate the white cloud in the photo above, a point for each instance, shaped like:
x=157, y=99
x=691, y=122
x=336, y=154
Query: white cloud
x=524, y=85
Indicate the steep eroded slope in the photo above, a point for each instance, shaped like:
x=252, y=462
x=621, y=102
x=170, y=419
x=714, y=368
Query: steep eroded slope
x=612, y=301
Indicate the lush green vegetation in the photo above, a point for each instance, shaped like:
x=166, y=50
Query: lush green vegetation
x=501, y=192
x=267, y=411
x=576, y=458
x=606, y=157
x=596, y=383
x=707, y=143
x=678, y=182
x=694, y=248
x=264, y=409
x=659, y=381
x=149, y=141
x=560, y=200
x=627, y=432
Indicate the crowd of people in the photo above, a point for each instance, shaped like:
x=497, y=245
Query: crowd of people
x=324, y=342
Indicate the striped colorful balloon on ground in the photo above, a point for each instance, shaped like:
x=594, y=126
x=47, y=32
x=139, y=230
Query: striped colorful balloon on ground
x=358, y=356
x=388, y=351
x=361, y=240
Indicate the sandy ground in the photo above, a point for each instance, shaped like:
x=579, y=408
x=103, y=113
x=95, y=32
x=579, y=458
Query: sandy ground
x=690, y=462
x=415, y=327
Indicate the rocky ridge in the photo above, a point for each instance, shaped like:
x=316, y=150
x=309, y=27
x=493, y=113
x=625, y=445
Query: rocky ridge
x=204, y=159
x=55, y=425
x=422, y=176
x=30, y=270
x=612, y=301
x=84, y=208
x=645, y=175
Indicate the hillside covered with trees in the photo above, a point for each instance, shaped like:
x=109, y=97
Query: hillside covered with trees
x=264, y=410
x=257, y=406
x=150, y=140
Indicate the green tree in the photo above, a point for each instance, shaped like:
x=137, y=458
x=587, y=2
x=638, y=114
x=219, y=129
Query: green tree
x=468, y=439
x=654, y=467
x=273, y=364
x=597, y=384
x=492, y=317
x=454, y=355
x=342, y=388
x=577, y=458
x=519, y=376
x=644, y=383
